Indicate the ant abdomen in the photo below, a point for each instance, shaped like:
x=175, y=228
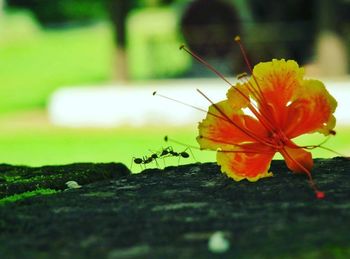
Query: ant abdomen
x=184, y=154
x=137, y=160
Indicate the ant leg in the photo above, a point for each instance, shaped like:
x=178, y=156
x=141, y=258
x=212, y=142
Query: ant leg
x=165, y=152
x=163, y=158
x=155, y=160
x=184, y=154
x=189, y=149
x=144, y=161
x=178, y=161
x=132, y=162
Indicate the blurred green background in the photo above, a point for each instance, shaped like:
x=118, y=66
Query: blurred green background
x=46, y=45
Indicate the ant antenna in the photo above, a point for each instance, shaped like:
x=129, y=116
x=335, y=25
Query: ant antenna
x=332, y=133
x=167, y=139
x=178, y=101
x=184, y=154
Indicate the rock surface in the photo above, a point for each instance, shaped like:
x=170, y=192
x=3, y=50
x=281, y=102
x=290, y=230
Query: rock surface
x=190, y=211
x=19, y=179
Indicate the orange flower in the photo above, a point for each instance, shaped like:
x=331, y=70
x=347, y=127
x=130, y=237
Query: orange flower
x=262, y=115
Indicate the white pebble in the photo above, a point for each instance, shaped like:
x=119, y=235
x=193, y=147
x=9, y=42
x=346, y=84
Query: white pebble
x=73, y=185
x=217, y=242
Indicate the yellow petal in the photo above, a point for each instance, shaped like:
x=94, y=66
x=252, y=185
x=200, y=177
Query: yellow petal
x=246, y=165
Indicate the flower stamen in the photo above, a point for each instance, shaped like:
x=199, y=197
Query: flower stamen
x=246, y=60
x=319, y=194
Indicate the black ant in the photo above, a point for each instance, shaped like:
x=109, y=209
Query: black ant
x=168, y=151
x=183, y=154
x=144, y=160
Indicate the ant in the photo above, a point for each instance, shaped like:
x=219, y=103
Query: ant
x=168, y=151
x=144, y=160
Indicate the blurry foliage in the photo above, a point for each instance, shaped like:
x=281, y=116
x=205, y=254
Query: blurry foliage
x=53, y=12
x=17, y=26
x=35, y=62
x=62, y=11
x=153, y=44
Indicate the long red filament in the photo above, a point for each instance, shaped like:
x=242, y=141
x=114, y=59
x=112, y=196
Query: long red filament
x=263, y=117
x=205, y=63
x=246, y=60
x=224, y=118
x=183, y=103
x=246, y=131
x=319, y=194
x=260, y=99
x=253, y=109
x=250, y=87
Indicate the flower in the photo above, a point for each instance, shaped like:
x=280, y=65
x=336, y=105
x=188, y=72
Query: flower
x=262, y=115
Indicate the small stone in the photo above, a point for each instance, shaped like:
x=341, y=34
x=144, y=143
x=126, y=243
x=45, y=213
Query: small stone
x=72, y=185
x=217, y=243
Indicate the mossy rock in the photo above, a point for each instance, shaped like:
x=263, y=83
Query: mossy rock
x=173, y=213
x=21, y=179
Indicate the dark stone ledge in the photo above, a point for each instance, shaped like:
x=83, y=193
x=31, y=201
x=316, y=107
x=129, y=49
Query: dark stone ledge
x=172, y=213
x=19, y=179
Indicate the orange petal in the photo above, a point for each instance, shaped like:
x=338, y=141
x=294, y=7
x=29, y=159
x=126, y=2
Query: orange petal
x=293, y=104
x=246, y=165
x=278, y=81
x=311, y=111
x=227, y=128
x=298, y=160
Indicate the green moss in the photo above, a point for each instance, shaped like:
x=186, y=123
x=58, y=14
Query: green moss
x=10, y=179
x=334, y=252
x=25, y=195
x=22, y=179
